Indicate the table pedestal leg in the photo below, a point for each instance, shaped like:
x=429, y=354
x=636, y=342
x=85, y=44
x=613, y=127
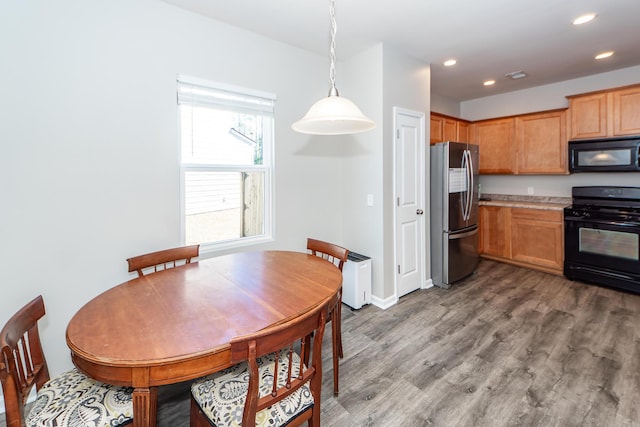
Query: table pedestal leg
x=145, y=406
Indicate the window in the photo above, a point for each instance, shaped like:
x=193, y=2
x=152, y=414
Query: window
x=226, y=138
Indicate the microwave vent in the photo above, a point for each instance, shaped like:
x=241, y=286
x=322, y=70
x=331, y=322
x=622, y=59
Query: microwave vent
x=515, y=75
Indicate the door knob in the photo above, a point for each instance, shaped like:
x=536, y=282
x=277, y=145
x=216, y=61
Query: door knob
x=419, y=212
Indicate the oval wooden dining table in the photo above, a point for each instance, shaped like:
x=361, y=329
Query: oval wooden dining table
x=175, y=325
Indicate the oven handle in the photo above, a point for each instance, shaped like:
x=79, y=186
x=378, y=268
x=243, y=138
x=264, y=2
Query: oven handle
x=588, y=221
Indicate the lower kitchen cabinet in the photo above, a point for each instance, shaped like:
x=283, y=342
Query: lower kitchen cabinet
x=495, y=231
x=526, y=237
x=537, y=238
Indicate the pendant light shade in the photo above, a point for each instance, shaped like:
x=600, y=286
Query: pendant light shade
x=333, y=115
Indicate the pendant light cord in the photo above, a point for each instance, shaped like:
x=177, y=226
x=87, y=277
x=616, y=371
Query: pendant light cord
x=332, y=49
x=333, y=115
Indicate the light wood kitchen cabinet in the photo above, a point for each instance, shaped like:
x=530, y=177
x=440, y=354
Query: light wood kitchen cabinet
x=526, y=144
x=626, y=111
x=445, y=128
x=526, y=237
x=603, y=114
x=537, y=238
x=495, y=231
x=464, y=131
x=495, y=137
x=450, y=129
x=541, y=142
x=437, y=129
x=588, y=116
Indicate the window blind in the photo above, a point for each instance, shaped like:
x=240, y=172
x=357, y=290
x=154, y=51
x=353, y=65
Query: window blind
x=198, y=92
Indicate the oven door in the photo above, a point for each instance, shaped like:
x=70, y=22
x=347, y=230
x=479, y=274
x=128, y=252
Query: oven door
x=603, y=251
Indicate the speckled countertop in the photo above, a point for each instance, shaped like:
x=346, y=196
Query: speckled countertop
x=520, y=201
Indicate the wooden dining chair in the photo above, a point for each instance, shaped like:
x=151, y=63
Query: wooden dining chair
x=69, y=400
x=269, y=385
x=337, y=255
x=162, y=260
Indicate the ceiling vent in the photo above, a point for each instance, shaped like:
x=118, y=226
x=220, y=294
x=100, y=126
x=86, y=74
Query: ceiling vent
x=515, y=75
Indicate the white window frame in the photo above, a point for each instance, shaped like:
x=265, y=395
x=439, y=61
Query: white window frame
x=267, y=167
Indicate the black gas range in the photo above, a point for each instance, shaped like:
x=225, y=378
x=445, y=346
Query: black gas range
x=602, y=236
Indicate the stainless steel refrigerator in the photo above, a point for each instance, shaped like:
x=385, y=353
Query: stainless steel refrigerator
x=454, y=212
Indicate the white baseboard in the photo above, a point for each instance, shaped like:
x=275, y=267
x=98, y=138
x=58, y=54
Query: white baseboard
x=428, y=284
x=384, y=303
x=393, y=300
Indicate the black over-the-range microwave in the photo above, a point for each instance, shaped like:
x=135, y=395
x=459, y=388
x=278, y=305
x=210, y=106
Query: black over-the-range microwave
x=605, y=155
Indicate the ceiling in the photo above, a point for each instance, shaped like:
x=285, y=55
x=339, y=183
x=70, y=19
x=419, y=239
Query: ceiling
x=488, y=38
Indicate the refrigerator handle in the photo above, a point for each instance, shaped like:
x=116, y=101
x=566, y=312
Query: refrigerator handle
x=466, y=156
x=465, y=204
x=458, y=236
x=472, y=189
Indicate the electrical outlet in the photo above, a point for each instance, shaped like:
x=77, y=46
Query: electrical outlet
x=369, y=199
x=529, y=190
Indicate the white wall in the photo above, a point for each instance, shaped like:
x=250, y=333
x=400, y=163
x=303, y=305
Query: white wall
x=547, y=97
x=407, y=84
x=553, y=185
x=378, y=79
x=542, y=98
x=443, y=105
x=363, y=164
x=90, y=150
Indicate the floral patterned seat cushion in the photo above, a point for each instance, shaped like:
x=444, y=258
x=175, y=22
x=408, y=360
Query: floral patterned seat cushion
x=75, y=400
x=221, y=396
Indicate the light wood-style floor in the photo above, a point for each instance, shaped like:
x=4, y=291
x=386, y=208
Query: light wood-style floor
x=506, y=347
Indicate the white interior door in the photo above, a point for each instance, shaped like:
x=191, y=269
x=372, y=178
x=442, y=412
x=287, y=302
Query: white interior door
x=409, y=196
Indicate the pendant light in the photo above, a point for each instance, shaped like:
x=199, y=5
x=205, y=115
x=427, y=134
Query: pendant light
x=333, y=115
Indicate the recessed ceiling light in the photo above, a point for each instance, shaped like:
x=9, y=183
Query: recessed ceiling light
x=489, y=82
x=604, y=55
x=449, y=62
x=584, y=19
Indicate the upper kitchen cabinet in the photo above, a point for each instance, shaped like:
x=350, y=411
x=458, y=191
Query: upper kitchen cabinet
x=614, y=112
x=541, y=142
x=495, y=137
x=449, y=129
x=533, y=143
x=626, y=111
x=437, y=128
x=588, y=116
x=464, y=131
x=445, y=128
